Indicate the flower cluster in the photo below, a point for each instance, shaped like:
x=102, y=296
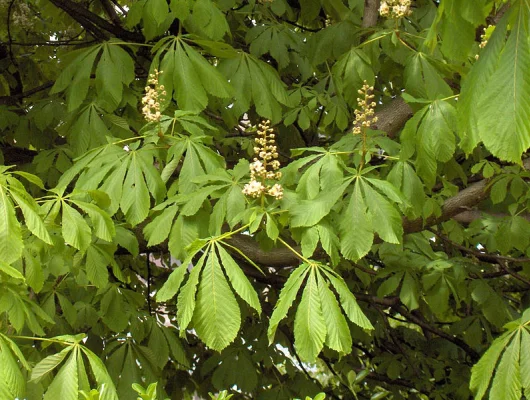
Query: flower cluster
x=395, y=8
x=364, y=114
x=265, y=166
x=153, y=97
x=484, y=38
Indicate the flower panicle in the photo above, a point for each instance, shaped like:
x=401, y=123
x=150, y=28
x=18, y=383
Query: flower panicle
x=154, y=95
x=265, y=167
x=365, y=111
x=395, y=9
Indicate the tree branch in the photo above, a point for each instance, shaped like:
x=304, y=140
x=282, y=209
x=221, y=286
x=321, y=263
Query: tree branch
x=371, y=13
x=90, y=20
x=473, y=355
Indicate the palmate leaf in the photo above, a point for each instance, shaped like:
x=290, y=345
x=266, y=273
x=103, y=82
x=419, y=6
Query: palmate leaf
x=107, y=390
x=65, y=385
x=504, y=369
x=356, y=229
x=475, y=84
x=422, y=79
x=310, y=212
x=172, y=285
x=309, y=324
x=255, y=82
x=286, y=299
x=10, y=374
x=216, y=316
x=10, y=233
x=507, y=135
x=349, y=73
x=75, y=229
x=188, y=77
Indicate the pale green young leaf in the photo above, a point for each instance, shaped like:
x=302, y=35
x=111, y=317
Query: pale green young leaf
x=76, y=231
x=10, y=233
x=12, y=272
x=238, y=279
x=103, y=225
x=216, y=317
x=30, y=178
x=172, y=285
x=482, y=371
x=30, y=211
x=338, y=335
x=10, y=373
x=46, y=365
x=107, y=390
x=286, y=299
x=507, y=380
x=65, y=385
x=309, y=324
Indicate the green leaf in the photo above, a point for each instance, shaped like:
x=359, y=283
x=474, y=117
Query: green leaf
x=46, y=365
x=172, y=285
x=382, y=210
x=158, y=229
x=115, y=69
x=97, y=260
x=135, y=199
x=107, y=391
x=507, y=135
x=12, y=272
x=186, y=298
x=103, y=225
x=422, y=80
x=338, y=335
x=310, y=212
x=348, y=301
x=30, y=210
x=356, y=230
x=10, y=234
x=65, y=385
x=217, y=316
x=507, y=380
x=75, y=78
x=286, y=299
x=475, y=84
x=76, y=231
x=309, y=324
x=238, y=279
x=482, y=372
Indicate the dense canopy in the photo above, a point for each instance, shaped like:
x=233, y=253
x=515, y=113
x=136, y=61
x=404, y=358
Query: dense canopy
x=268, y=198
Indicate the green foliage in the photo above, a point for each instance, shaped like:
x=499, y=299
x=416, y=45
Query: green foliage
x=176, y=256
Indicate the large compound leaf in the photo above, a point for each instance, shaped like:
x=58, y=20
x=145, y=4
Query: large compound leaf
x=507, y=134
x=217, y=316
x=10, y=233
x=309, y=324
x=286, y=299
